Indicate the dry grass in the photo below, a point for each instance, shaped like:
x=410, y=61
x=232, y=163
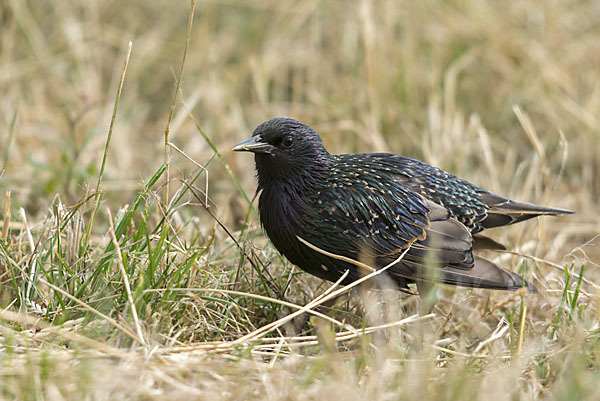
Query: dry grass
x=505, y=94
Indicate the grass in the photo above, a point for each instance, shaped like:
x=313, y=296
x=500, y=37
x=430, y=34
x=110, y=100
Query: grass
x=132, y=263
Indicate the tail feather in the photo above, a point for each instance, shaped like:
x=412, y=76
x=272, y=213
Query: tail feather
x=503, y=211
x=481, y=242
x=486, y=274
x=483, y=274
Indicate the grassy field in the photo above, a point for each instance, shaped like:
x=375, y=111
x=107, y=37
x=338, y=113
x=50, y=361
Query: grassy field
x=132, y=262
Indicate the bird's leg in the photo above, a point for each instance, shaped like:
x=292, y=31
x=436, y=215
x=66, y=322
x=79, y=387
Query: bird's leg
x=428, y=294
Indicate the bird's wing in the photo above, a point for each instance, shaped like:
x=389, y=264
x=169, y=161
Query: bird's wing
x=354, y=221
x=459, y=197
x=473, y=206
x=376, y=227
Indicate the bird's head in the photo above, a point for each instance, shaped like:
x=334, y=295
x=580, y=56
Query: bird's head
x=285, y=150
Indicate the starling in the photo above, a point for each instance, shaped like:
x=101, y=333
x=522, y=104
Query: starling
x=373, y=206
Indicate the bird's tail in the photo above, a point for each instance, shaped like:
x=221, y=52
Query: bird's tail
x=483, y=274
x=503, y=211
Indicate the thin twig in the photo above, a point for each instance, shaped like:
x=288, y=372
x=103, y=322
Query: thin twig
x=200, y=166
x=338, y=257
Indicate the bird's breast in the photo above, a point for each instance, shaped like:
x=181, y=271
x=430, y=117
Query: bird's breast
x=279, y=214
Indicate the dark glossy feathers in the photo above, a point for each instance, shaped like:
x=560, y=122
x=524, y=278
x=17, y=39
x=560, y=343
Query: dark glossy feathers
x=372, y=207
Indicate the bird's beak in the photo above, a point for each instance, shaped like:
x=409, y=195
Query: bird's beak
x=255, y=145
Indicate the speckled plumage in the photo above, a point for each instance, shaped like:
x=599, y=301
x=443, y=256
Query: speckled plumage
x=374, y=206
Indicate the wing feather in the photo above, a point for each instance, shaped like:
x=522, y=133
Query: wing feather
x=381, y=226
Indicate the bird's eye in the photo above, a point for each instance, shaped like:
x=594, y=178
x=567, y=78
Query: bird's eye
x=288, y=141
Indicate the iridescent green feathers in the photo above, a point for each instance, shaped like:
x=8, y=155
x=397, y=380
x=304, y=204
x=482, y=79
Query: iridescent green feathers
x=375, y=206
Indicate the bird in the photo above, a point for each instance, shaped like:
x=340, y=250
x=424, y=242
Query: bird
x=327, y=212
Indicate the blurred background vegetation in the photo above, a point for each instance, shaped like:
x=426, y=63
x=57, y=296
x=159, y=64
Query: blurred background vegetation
x=504, y=94
x=428, y=79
